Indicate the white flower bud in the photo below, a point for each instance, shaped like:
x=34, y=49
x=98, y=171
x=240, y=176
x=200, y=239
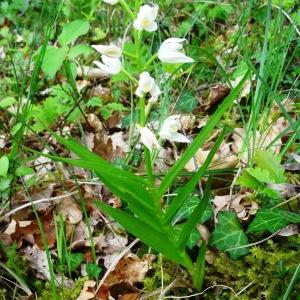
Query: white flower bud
x=169, y=52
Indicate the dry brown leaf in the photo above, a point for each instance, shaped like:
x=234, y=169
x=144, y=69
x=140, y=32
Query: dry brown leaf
x=217, y=94
x=246, y=87
x=224, y=158
x=188, y=121
x=70, y=210
x=124, y=291
x=239, y=203
x=88, y=290
x=43, y=164
x=81, y=236
x=91, y=73
x=204, y=232
x=30, y=232
x=103, y=292
x=289, y=230
x=262, y=141
x=119, y=142
x=94, y=122
x=130, y=268
x=38, y=261
x=2, y=141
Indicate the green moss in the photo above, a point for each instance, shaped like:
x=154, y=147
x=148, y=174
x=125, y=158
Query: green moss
x=164, y=271
x=66, y=294
x=268, y=268
x=3, y=294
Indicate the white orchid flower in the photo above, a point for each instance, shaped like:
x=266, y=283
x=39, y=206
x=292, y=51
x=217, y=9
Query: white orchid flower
x=147, y=85
x=110, y=65
x=111, y=2
x=169, y=130
x=109, y=50
x=146, y=18
x=148, y=138
x=169, y=52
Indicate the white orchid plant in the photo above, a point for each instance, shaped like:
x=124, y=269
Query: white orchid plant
x=148, y=217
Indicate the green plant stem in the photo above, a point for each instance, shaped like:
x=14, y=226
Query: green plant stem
x=148, y=163
x=129, y=75
x=136, y=7
x=126, y=7
x=150, y=61
x=129, y=54
x=142, y=111
x=137, y=41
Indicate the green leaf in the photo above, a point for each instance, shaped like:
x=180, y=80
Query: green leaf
x=267, y=160
x=4, y=165
x=23, y=171
x=116, y=107
x=7, y=102
x=241, y=70
x=188, y=207
x=199, y=268
x=15, y=129
x=186, y=102
x=78, y=50
x=53, y=60
x=247, y=180
x=72, y=31
x=93, y=270
x=228, y=234
x=148, y=235
x=74, y=260
x=195, y=217
x=199, y=140
x=94, y=102
x=193, y=237
x=272, y=220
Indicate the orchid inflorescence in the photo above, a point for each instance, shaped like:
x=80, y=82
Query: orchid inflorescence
x=169, y=53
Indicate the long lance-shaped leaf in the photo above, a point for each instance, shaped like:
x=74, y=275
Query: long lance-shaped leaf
x=152, y=238
x=87, y=155
x=188, y=188
x=195, y=217
x=149, y=216
x=199, y=268
x=138, y=199
x=140, y=192
x=200, y=139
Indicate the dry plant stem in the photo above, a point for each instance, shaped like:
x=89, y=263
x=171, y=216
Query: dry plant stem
x=160, y=291
x=37, y=202
x=232, y=186
x=256, y=243
x=203, y=292
x=22, y=284
x=115, y=262
x=287, y=201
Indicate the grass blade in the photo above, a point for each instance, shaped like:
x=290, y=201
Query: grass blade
x=292, y=283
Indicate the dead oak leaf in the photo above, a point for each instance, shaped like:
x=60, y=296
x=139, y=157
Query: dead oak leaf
x=29, y=231
x=130, y=268
x=70, y=210
x=216, y=95
x=124, y=291
x=88, y=291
